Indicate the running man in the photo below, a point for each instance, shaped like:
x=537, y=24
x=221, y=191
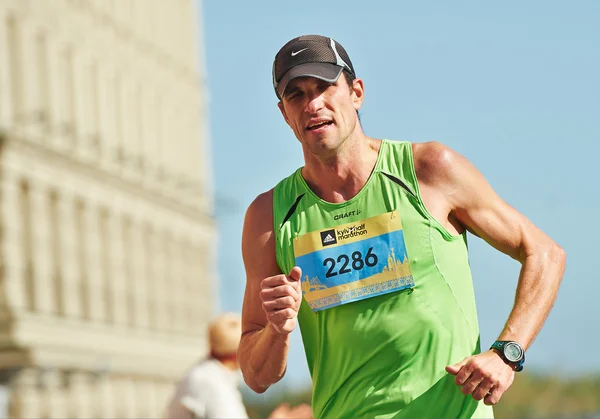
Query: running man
x=365, y=247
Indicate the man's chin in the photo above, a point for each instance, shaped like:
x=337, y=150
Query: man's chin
x=324, y=146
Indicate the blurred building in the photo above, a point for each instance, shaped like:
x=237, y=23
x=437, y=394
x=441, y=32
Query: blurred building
x=106, y=242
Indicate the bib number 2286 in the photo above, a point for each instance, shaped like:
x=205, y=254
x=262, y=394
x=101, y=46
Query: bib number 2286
x=355, y=260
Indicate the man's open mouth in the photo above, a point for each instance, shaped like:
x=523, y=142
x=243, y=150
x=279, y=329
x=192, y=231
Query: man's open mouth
x=318, y=125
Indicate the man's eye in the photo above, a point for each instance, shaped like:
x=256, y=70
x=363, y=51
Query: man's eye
x=294, y=95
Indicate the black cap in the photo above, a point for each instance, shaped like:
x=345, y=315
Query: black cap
x=309, y=56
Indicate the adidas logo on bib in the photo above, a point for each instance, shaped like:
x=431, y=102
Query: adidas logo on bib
x=328, y=237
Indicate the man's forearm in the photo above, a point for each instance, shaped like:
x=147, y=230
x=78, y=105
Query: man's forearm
x=263, y=357
x=538, y=285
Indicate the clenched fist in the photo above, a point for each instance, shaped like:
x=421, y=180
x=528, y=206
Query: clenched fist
x=281, y=296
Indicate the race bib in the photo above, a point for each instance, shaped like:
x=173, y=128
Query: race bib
x=353, y=261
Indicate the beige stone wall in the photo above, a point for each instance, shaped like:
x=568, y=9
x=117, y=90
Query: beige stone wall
x=107, y=243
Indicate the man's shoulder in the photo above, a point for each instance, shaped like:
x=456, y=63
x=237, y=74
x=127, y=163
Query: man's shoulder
x=261, y=204
x=259, y=215
x=262, y=201
x=433, y=160
x=198, y=370
x=432, y=154
x=204, y=372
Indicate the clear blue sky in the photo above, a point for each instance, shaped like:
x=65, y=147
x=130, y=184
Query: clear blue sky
x=513, y=86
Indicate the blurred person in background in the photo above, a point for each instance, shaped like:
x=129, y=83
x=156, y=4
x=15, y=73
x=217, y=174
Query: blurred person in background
x=365, y=246
x=210, y=388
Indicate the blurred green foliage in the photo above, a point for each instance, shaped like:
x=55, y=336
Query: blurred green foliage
x=543, y=396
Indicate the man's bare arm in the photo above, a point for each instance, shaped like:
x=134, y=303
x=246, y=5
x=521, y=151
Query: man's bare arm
x=473, y=204
x=479, y=209
x=267, y=318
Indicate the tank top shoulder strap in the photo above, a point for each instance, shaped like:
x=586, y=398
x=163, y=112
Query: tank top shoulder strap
x=398, y=165
x=287, y=195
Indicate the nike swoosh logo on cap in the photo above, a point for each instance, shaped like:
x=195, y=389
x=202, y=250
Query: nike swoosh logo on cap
x=294, y=53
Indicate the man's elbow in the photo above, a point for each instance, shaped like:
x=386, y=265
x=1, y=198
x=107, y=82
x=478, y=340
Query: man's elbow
x=257, y=388
x=545, y=251
x=251, y=382
x=250, y=376
x=558, y=255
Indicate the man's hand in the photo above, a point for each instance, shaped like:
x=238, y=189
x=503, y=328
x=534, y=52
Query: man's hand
x=281, y=296
x=486, y=376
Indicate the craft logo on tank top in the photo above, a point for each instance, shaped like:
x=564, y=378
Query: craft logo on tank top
x=347, y=214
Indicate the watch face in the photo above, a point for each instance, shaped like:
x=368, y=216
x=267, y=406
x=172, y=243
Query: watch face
x=513, y=352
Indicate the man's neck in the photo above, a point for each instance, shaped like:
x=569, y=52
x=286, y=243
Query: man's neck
x=339, y=177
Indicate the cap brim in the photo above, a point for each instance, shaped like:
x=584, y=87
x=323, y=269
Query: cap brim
x=324, y=71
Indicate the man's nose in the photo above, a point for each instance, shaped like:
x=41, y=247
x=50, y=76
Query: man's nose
x=315, y=103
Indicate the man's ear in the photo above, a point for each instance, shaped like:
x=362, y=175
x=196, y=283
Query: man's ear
x=282, y=109
x=358, y=93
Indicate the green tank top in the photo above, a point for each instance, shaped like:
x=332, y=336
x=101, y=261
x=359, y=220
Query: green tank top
x=388, y=298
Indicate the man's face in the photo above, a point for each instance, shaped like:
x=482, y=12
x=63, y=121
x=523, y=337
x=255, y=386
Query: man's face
x=321, y=114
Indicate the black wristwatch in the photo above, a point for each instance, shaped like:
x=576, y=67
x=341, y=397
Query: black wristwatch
x=512, y=353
